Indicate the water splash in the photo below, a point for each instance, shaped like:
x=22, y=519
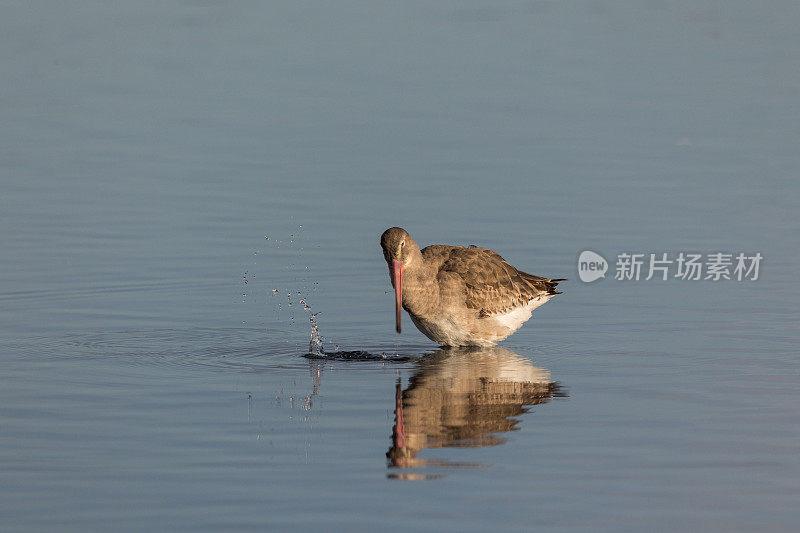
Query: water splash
x=317, y=351
x=315, y=344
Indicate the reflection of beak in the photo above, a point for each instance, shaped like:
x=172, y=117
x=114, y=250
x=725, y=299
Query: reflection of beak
x=397, y=281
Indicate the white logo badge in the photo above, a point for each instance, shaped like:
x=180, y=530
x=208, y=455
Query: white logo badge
x=591, y=266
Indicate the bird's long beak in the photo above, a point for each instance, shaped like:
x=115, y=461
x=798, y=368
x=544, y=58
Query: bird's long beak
x=397, y=282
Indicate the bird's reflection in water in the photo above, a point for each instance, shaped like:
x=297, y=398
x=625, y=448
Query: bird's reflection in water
x=463, y=397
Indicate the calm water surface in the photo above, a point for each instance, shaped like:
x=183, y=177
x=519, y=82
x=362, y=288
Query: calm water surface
x=176, y=179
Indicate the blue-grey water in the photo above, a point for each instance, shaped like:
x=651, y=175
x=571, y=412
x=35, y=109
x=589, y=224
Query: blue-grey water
x=175, y=179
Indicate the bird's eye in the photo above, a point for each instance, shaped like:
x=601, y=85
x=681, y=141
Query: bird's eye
x=403, y=243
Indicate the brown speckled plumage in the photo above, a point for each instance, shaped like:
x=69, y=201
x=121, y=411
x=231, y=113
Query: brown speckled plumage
x=463, y=295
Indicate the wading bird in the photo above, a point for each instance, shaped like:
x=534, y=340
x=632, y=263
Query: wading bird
x=460, y=296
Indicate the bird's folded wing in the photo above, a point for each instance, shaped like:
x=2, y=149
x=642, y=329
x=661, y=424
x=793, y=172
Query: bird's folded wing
x=492, y=286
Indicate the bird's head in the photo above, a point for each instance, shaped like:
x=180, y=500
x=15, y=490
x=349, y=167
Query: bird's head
x=400, y=251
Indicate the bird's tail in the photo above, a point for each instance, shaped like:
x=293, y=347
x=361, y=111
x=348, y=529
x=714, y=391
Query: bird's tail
x=546, y=285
